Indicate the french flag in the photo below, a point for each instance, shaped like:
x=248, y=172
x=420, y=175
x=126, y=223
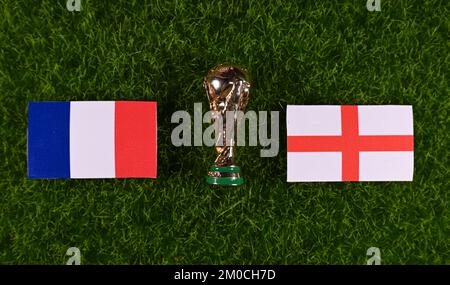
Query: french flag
x=101, y=139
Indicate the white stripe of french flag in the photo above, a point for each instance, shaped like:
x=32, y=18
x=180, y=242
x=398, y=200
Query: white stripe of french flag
x=350, y=143
x=101, y=139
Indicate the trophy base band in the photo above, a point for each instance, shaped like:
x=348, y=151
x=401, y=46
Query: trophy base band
x=224, y=175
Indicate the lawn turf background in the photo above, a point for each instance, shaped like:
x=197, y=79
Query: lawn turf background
x=305, y=52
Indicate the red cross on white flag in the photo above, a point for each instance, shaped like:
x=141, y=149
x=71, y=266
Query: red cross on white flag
x=350, y=143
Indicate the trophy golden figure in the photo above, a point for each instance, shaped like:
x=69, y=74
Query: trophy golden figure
x=227, y=88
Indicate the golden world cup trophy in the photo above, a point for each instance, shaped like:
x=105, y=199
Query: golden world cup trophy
x=227, y=88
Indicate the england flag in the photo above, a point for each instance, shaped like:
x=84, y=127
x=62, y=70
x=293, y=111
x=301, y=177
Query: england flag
x=350, y=143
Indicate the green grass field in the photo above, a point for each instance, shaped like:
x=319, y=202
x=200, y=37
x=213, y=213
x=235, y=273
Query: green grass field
x=296, y=53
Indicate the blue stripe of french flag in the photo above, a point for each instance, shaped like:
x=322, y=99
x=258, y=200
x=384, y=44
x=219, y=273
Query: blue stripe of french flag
x=101, y=139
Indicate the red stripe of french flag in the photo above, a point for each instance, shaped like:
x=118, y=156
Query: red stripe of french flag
x=135, y=139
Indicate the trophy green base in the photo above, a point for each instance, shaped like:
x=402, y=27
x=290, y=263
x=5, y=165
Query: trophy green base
x=225, y=175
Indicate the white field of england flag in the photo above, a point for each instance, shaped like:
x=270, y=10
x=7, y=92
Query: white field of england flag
x=350, y=143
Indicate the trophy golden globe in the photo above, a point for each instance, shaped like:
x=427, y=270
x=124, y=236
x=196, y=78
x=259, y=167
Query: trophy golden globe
x=227, y=88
